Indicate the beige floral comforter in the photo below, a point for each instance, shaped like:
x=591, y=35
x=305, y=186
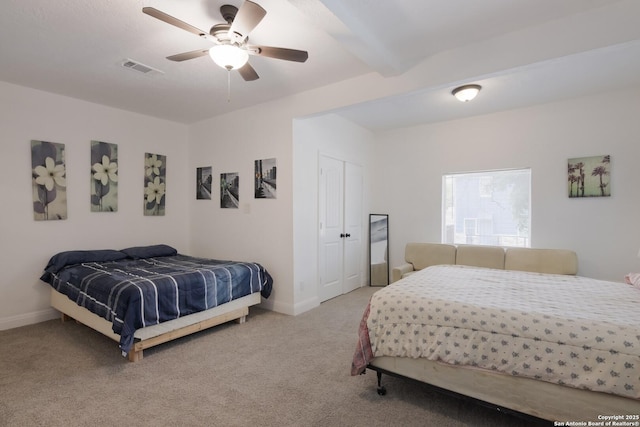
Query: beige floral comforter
x=569, y=330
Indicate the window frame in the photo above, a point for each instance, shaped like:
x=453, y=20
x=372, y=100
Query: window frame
x=520, y=209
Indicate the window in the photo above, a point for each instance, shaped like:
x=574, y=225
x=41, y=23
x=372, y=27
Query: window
x=487, y=208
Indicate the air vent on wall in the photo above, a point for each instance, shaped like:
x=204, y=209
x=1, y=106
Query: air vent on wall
x=137, y=66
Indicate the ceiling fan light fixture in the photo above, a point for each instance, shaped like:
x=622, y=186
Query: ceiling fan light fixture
x=231, y=51
x=228, y=56
x=466, y=93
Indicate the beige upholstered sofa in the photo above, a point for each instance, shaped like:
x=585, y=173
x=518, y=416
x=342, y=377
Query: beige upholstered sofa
x=422, y=255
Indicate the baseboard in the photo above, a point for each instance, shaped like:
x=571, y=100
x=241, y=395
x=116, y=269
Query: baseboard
x=28, y=319
x=289, y=309
x=277, y=306
x=306, y=305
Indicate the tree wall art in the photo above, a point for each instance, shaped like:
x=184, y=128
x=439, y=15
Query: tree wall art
x=589, y=176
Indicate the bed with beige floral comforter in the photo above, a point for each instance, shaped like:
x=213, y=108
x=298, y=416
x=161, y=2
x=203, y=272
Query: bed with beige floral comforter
x=567, y=330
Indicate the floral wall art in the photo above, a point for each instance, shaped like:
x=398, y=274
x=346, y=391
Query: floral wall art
x=48, y=181
x=104, y=177
x=155, y=172
x=589, y=176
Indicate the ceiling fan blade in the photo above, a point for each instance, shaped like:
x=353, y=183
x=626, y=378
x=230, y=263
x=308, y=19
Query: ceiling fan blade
x=248, y=73
x=248, y=17
x=188, y=55
x=279, y=53
x=174, y=21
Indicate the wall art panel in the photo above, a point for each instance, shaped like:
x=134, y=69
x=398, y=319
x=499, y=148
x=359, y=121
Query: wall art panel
x=104, y=177
x=49, y=183
x=229, y=190
x=265, y=179
x=155, y=173
x=204, y=179
x=589, y=176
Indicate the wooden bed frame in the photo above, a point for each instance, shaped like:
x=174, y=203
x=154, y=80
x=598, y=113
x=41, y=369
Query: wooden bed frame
x=540, y=399
x=157, y=334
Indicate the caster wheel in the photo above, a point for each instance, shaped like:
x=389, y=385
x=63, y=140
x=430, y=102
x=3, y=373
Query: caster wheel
x=382, y=391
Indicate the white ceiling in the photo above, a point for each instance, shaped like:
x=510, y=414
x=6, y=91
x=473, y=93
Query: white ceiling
x=76, y=48
x=609, y=68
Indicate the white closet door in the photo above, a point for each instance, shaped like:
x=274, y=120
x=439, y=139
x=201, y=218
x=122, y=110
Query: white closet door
x=353, y=227
x=340, y=228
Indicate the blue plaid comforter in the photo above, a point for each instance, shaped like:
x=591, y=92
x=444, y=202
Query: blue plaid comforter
x=132, y=294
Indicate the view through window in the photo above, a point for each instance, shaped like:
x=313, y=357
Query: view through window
x=487, y=208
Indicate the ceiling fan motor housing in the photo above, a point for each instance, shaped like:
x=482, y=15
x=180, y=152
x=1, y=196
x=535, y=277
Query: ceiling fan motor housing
x=221, y=31
x=228, y=12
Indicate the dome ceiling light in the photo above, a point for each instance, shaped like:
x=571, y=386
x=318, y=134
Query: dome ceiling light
x=466, y=93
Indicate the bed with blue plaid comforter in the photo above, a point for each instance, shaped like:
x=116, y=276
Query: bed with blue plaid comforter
x=134, y=293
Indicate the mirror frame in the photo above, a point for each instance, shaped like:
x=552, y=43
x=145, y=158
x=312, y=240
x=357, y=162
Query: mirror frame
x=378, y=234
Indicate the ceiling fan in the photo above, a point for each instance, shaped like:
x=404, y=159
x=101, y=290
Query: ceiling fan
x=231, y=50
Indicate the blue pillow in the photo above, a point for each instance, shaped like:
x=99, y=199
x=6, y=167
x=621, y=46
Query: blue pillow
x=139, y=252
x=62, y=259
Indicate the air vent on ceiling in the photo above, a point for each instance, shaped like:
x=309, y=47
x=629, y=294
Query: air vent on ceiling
x=137, y=66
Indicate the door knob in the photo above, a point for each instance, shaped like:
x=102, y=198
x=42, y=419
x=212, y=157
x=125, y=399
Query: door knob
x=342, y=236
x=347, y=235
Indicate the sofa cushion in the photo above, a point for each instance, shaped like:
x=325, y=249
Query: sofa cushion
x=423, y=255
x=552, y=261
x=480, y=256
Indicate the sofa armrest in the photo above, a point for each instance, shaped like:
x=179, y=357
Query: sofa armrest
x=397, y=272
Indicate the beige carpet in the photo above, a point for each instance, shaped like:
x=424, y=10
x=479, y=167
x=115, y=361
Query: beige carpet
x=274, y=370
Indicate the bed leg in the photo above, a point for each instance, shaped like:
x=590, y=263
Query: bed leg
x=381, y=389
x=135, y=356
x=64, y=317
x=242, y=319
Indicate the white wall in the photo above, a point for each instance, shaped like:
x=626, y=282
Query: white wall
x=25, y=244
x=263, y=230
x=333, y=136
x=603, y=231
x=260, y=230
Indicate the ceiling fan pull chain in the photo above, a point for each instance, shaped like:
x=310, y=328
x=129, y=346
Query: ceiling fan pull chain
x=228, y=85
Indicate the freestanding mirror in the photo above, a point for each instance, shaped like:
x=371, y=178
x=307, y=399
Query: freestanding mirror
x=378, y=250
